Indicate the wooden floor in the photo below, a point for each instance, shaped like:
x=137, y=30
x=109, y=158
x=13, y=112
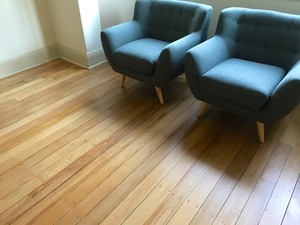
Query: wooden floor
x=76, y=148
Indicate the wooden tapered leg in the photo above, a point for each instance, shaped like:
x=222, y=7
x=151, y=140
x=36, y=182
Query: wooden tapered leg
x=202, y=108
x=261, y=131
x=123, y=80
x=159, y=94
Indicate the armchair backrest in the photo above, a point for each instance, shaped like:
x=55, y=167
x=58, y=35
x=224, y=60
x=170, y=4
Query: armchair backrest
x=261, y=35
x=169, y=20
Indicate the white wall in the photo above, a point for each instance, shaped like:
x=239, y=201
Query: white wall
x=113, y=12
x=68, y=30
x=67, y=23
x=90, y=20
x=26, y=30
x=77, y=27
x=36, y=31
x=21, y=30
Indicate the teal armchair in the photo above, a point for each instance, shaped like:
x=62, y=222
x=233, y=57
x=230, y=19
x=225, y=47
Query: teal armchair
x=250, y=67
x=151, y=47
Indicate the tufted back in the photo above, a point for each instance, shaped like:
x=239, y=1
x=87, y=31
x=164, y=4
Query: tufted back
x=260, y=35
x=169, y=20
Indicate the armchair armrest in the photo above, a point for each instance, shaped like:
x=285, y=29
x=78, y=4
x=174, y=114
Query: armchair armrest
x=286, y=96
x=171, y=59
x=116, y=36
x=205, y=56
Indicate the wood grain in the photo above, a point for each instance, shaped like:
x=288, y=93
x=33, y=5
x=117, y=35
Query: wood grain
x=76, y=148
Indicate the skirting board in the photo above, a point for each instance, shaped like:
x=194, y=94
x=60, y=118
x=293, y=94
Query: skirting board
x=86, y=60
x=49, y=53
x=96, y=58
x=28, y=60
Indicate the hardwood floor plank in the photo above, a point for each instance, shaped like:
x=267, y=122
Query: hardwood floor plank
x=42, y=70
x=78, y=145
x=178, y=152
x=114, y=197
x=255, y=206
x=15, y=133
x=118, y=174
x=234, y=204
x=264, y=188
x=280, y=198
x=8, y=95
x=73, y=93
x=70, y=78
x=102, y=105
x=215, y=200
x=76, y=148
x=210, y=178
x=292, y=215
x=31, y=99
x=291, y=135
x=128, y=204
x=108, y=166
x=42, y=191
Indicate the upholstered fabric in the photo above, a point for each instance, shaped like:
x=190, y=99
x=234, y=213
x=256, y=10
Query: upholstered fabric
x=261, y=35
x=130, y=55
x=172, y=20
x=151, y=47
x=251, y=66
x=242, y=82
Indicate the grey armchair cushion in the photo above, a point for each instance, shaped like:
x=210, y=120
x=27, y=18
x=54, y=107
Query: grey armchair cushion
x=130, y=55
x=268, y=41
x=242, y=82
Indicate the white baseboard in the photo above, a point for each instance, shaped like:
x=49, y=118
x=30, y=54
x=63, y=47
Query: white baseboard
x=28, y=60
x=88, y=60
x=96, y=58
x=72, y=55
x=48, y=53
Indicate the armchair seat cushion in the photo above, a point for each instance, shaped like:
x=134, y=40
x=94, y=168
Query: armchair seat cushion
x=249, y=84
x=140, y=55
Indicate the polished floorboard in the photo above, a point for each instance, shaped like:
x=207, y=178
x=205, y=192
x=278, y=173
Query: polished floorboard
x=76, y=148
